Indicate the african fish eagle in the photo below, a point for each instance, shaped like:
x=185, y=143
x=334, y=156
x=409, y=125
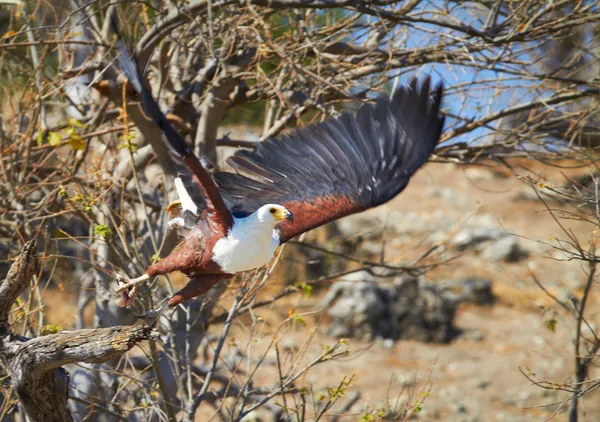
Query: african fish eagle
x=233, y=222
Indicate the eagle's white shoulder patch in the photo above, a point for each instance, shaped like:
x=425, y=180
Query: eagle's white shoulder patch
x=186, y=200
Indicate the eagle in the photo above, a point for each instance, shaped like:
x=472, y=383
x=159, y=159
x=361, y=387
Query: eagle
x=231, y=222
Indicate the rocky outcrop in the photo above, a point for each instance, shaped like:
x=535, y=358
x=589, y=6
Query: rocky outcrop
x=368, y=306
x=491, y=243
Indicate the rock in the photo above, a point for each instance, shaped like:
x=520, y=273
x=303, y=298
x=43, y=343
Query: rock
x=507, y=249
x=422, y=312
x=439, y=192
x=34, y=197
x=524, y=395
x=437, y=237
x=475, y=335
x=474, y=290
x=371, y=247
x=361, y=306
x=482, y=383
x=361, y=227
x=358, y=304
x=289, y=345
x=588, y=330
x=509, y=401
x=478, y=174
x=312, y=263
x=493, y=242
x=359, y=276
x=459, y=408
x=447, y=195
x=371, y=224
x=470, y=237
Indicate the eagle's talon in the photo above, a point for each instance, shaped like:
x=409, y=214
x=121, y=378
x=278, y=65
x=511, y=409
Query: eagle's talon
x=125, y=300
x=127, y=289
x=125, y=284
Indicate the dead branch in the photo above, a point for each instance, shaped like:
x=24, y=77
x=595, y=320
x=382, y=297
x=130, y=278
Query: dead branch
x=35, y=364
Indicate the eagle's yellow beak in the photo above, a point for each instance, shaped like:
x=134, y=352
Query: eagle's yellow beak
x=283, y=214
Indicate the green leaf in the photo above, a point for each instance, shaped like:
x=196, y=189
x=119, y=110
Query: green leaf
x=131, y=146
x=76, y=142
x=551, y=324
x=103, y=231
x=300, y=320
x=75, y=123
x=307, y=289
x=50, y=329
x=54, y=139
x=127, y=142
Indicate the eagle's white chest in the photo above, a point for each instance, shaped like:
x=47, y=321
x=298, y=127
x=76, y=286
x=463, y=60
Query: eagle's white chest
x=248, y=245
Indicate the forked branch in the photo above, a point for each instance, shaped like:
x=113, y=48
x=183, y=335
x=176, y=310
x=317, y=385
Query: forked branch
x=35, y=364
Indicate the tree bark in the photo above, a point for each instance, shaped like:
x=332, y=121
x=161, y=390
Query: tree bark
x=40, y=383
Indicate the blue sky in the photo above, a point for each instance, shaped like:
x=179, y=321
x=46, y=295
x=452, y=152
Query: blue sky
x=471, y=92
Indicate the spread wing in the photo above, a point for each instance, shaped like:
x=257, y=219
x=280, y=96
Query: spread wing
x=339, y=167
x=197, y=181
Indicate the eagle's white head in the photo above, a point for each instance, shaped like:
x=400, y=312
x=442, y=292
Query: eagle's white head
x=273, y=213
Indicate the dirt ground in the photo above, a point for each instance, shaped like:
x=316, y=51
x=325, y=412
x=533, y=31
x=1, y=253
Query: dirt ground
x=479, y=376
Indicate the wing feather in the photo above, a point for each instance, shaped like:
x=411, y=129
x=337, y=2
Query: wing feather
x=341, y=166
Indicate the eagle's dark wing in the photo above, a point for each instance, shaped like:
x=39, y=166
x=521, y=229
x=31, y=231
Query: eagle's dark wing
x=339, y=167
x=197, y=180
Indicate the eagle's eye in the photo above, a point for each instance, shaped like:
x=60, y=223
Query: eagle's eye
x=272, y=210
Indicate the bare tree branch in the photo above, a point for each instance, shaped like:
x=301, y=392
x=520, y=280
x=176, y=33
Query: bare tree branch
x=35, y=365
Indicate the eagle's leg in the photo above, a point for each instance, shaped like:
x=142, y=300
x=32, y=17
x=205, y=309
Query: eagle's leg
x=193, y=288
x=198, y=285
x=188, y=254
x=170, y=263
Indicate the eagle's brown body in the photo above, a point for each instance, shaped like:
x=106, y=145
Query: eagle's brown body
x=193, y=257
